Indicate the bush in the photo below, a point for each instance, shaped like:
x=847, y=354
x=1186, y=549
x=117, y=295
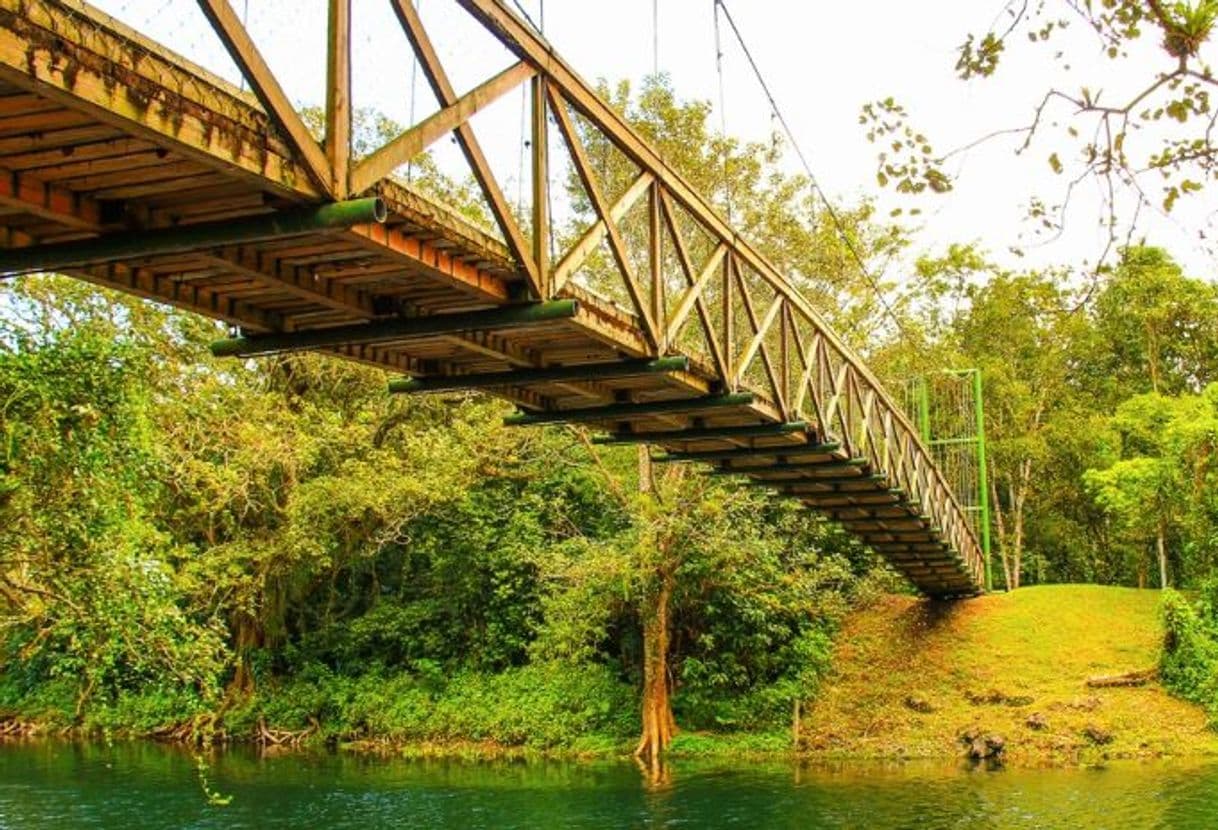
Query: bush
x=1189, y=665
x=540, y=706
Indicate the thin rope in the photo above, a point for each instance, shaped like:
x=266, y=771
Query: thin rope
x=529, y=18
x=655, y=37
x=414, y=88
x=541, y=13
x=727, y=179
x=815, y=185
x=524, y=143
x=245, y=20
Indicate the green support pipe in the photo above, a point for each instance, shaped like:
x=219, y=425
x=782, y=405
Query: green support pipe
x=750, y=452
x=402, y=328
x=553, y=374
x=835, y=484
x=829, y=467
x=730, y=471
x=139, y=244
x=839, y=514
x=703, y=434
x=622, y=411
x=983, y=484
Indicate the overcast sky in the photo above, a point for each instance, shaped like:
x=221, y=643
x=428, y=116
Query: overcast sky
x=823, y=61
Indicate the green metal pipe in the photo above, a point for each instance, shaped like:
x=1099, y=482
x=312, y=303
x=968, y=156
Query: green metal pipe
x=850, y=464
x=791, y=484
x=751, y=452
x=629, y=410
x=923, y=410
x=131, y=245
x=948, y=442
x=525, y=377
x=748, y=471
x=402, y=328
x=703, y=434
x=983, y=484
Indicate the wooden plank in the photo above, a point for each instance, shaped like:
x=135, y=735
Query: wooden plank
x=41, y=51
x=696, y=287
x=151, y=285
x=247, y=57
x=298, y=282
x=595, y=234
x=430, y=260
x=418, y=138
x=338, y=98
x=542, y=236
x=429, y=61
x=48, y=201
x=687, y=268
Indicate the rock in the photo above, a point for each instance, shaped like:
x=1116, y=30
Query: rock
x=994, y=697
x=1036, y=721
x=1086, y=704
x=919, y=704
x=979, y=746
x=1097, y=735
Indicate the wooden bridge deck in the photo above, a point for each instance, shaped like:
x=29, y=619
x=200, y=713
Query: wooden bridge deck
x=107, y=136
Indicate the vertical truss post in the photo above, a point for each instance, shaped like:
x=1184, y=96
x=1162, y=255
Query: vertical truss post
x=438, y=80
x=784, y=357
x=541, y=186
x=658, y=312
x=729, y=346
x=338, y=97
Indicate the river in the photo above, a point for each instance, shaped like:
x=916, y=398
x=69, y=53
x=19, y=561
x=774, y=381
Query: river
x=45, y=784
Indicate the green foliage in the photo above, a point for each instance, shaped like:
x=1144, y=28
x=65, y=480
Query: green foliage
x=1146, y=122
x=280, y=542
x=540, y=706
x=1189, y=665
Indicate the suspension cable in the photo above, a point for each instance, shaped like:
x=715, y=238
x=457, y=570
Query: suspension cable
x=727, y=179
x=655, y=37
x=803, y=160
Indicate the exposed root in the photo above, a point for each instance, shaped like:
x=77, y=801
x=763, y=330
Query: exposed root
x=267, y=737
x=16, y=728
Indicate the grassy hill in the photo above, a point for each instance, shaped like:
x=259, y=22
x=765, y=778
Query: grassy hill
x=910, y=676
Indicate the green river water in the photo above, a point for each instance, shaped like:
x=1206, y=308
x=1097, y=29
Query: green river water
x=54, y=785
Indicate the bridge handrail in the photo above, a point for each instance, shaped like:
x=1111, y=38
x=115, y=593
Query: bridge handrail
x=848, y=393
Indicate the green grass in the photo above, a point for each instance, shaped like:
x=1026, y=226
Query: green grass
x=1033, y=648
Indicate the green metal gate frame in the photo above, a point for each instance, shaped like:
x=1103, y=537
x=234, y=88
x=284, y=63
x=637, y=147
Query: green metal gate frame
x=977, y=440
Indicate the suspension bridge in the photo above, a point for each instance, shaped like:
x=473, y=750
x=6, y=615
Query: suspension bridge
x=129, y=166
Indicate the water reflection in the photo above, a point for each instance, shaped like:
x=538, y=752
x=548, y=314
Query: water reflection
x=51, y=785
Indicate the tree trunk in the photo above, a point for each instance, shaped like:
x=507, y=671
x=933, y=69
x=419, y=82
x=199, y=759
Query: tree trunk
x=1000, y=526
x=1162, y=549
x=658, y=723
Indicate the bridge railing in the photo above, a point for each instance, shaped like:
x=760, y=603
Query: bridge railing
x=756, y=329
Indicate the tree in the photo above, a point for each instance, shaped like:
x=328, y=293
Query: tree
x=1156, y=135
x=1019, y=331
x=1155, y=329
x=1146, y=487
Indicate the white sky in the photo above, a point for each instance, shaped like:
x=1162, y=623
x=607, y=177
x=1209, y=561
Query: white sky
x=823, y=61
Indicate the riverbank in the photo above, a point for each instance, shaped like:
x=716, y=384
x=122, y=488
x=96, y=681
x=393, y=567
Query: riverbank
x=908, y=679
x=911, y=677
